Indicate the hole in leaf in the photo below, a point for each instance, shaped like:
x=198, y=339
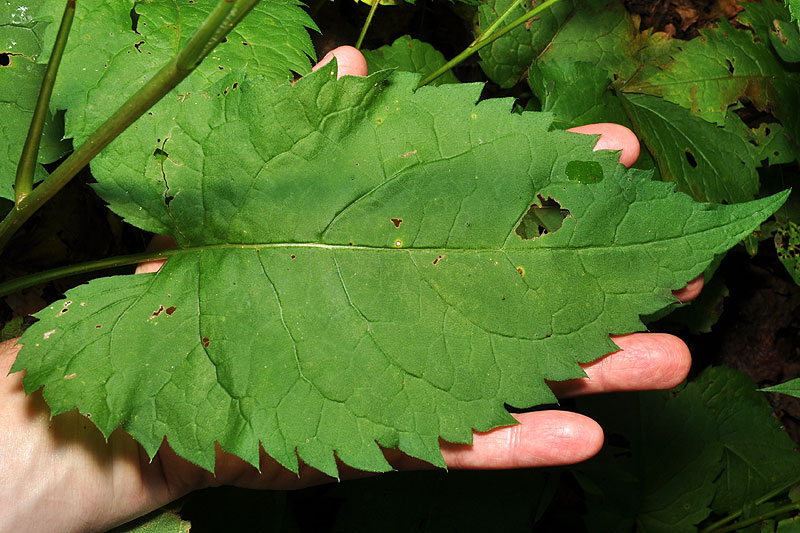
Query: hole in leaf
x=436, y=261
x=157, y=312
x=168, y=199
x=691, y=160
x=160, y=154
x=545, y=217
x=730, y=65
x=134, y=20
x=138, y=46
x=584, y=171
x=396, y=222
x=5, y=60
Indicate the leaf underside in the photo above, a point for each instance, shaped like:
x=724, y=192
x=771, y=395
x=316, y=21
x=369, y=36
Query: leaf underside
x=350, y=275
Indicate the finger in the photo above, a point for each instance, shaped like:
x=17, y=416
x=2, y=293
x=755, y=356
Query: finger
x=645, y=361
x=159, y=242
x=613, y=137
x=349, y=60
x=691, y=291
x=542, y=438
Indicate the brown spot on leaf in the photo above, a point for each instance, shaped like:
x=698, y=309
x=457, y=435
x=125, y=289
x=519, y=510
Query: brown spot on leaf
x=171, y=309
x=98, y=326
x=206, y=342
x=70, y=376
x=396, y=222
x=293, y=256
x=409, y=154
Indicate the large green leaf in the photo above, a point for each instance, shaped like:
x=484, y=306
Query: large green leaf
x=20, y=79
x=355, y=278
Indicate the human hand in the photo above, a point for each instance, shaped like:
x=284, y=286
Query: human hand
x=61, y=475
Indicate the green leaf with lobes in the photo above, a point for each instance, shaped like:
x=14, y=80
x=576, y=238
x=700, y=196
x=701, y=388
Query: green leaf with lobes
x=117, y=45
x=355, y=278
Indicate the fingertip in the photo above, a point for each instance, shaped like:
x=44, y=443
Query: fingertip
x=645, y=361
x=653, y=361
x=349, y=60
x=542, y=438
x=692, y=289
x=613, y=137
x=159, y=242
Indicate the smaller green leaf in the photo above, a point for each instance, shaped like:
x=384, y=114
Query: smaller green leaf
x=161, y=521
x=576, y=92
x=774, y=144
x=706, y=161
x=409, y=55
x=13, y=328
x=600, y=33
x=787, y=243
x=789, y=525
x=506, y=60
x=785, y=38
x=713, y=72
x=791, y=387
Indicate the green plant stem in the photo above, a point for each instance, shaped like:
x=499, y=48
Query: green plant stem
x=485, y=41
x=224, y=17
x=367, y=22
x=496, y=24
x=18, y=284
x=30, y=150
x=765, y=498
x=756, y=519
